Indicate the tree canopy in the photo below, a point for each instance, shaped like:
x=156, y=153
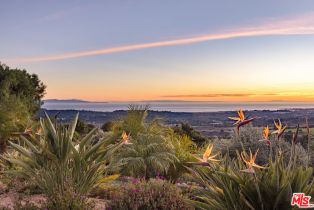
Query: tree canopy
x=21, y=96
x=22, y=85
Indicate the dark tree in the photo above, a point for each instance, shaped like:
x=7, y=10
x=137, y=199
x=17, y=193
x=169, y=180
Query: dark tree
x=22, y=85
x=83, y=127
x=21, y=96
x=187, y=129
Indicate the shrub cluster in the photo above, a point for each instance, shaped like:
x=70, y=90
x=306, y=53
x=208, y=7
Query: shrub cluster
x=152, y=194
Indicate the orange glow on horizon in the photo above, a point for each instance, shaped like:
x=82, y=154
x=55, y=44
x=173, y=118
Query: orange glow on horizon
x=291, y=97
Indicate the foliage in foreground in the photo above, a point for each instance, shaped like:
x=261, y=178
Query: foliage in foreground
x=67, y=169
x=241, y=183
x=147, y=156
x=227, y=186
x=20, y=99
x=13, y=117
x=152, y=194
x=153, y=148
x=25, y=86
x=64, y=171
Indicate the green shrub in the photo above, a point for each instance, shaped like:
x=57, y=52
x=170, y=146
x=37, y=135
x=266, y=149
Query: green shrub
x=155, y=149
x=83, y=128
x=147, y=156
x=134, y=122
x=153, y=194
x=183, y=147
x=64, y=171
x=188, y=130
x=107, y=126
x=69, y=199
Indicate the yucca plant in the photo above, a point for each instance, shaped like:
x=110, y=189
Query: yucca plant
x=64, y=171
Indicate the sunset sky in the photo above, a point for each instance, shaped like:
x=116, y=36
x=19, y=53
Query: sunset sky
x=126, y=50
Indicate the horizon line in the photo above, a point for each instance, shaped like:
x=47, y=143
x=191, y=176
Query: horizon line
x=173, y=100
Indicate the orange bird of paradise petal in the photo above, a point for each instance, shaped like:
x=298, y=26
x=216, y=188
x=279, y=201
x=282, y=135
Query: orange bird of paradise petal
x=207, y=153
x=240, y=118
x=39, y=132
x=26, y=132
x=125, y=138
x=279, y=128
x=266, y=135
x=207, y=157
x=250, y=162
x=266, y=132
x=241, y=115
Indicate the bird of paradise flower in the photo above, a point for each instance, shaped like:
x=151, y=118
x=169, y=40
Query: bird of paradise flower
x=206, y=158
x=266, y=133
x=26, y=132
x=125, y=138
x=250, y=162
x=241, y=120
x=280, y=129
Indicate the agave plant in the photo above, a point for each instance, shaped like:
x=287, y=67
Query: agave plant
x=59, y=167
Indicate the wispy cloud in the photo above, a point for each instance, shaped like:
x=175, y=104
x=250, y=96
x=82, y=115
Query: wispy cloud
x=58, y=15
x=54, y=16
x=215, y=95
x=287, y=26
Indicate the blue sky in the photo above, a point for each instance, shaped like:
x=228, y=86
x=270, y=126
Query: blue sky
x=266, y=66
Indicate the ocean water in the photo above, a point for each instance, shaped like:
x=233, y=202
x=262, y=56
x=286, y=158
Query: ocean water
x=177, y=106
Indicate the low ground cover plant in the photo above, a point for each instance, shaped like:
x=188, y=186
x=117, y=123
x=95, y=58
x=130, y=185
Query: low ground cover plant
x=152, y=194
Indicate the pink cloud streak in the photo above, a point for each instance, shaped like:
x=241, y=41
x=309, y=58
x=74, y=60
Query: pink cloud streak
x=302, y=25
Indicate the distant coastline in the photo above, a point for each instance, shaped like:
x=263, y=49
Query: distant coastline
x=173, y=105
